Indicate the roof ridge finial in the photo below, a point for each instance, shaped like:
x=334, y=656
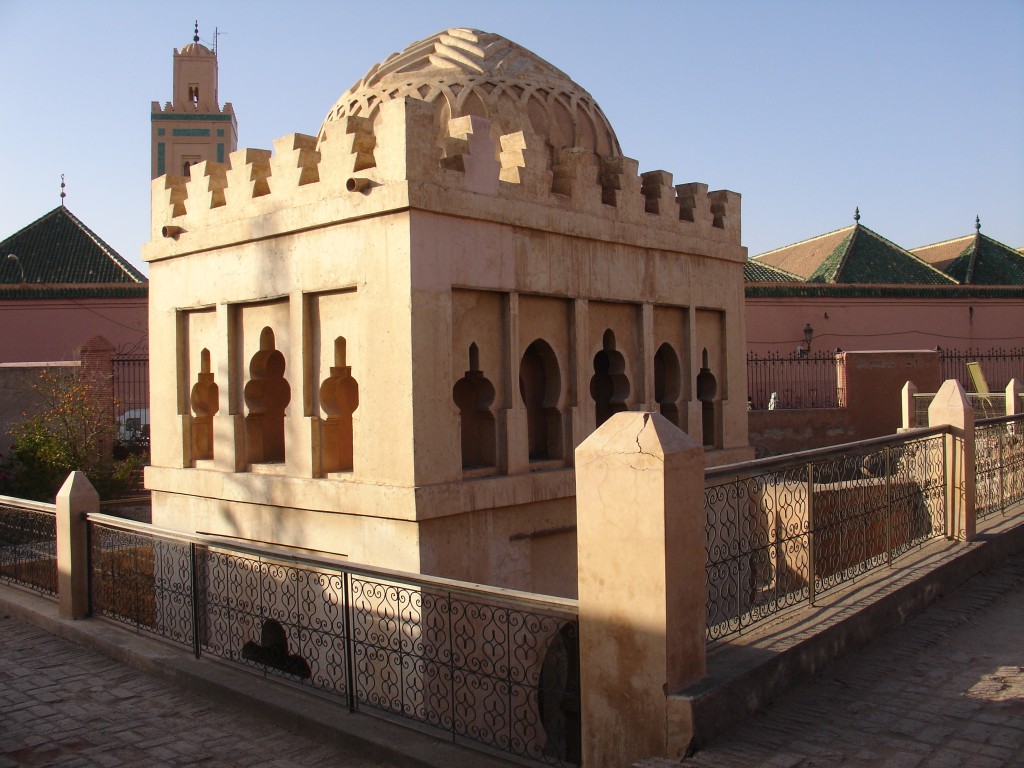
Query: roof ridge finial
x=977, y=224
x=195, y=37
x=856, y=214
x=63, y=194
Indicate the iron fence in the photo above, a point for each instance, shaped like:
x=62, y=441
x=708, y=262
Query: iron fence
x=794, y=381
x=28, y=545
x=999, y=366
x=999, y=464
x=782, y=531
x=130, y=380
x=985, y=406
x=485, y=666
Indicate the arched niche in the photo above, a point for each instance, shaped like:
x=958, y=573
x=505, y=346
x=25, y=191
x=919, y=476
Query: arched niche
x=474, y=394
x=609, y=386
x=339, y=398
x=266, y=394
x=667, y=382
x=205, y=401
x=707, y=391
x=540, y=385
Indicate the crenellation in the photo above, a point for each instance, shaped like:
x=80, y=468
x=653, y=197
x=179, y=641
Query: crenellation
x=208, y=181
x=248, y=176
x=692, y=202
x=470, y=150
x=577, y=175
x=620, y=184
x=295, y=161
x=725, y=211
x=659, y=194
x=512, y=157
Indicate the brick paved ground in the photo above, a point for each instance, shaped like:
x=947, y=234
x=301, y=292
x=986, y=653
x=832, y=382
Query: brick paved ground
x=945, y=691
x=62, y=704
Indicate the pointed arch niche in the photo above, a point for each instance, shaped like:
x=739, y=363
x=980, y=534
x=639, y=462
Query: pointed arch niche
x=266, y=394
x=540, y=385
x=609, y=386
x=667, y=382
x=205, y=402
x=474, y=395
x=707, y=390
x=339, y=398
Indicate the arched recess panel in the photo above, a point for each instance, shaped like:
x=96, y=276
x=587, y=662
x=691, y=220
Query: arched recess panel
x=609, y=386
x=540, y=385
x=710, y=338
x=707, y=392
x=479, y=320
x=671, y=327
x=473, y=395
x=205, y=402
x=339, y=398
x=667, y=382
x=625, y=324
x=197, y=354
x=267, y=394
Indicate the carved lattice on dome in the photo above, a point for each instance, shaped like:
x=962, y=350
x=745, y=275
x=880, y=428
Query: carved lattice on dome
x=469, y=72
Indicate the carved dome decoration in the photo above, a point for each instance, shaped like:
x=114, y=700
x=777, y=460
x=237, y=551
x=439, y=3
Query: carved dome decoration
x=469, y=72
x=195, y=49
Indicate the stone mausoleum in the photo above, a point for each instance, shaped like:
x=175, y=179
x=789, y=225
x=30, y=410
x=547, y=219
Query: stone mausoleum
x=385, y=341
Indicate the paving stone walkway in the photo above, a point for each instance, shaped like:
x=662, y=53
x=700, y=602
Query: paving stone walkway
x=62, y=704
x=944, y=691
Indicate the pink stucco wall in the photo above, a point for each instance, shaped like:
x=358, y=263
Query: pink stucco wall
x=776, y=324
x=53, y=330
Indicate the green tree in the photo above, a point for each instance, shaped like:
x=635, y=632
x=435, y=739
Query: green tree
x=73, y=429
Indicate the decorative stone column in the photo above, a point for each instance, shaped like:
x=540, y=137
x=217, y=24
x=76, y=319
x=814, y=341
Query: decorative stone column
x=640, y=538
x=75, y=497
x=951, y=406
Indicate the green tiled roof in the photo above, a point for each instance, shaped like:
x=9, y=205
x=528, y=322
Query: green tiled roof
x=987, y=262
x=865, y=257
x=59, y=249
x=758, y=272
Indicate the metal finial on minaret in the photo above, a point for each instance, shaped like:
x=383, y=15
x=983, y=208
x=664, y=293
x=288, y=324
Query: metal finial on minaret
x=195, y=37
x=856, y=214
x=977, y=224
x=63, y=194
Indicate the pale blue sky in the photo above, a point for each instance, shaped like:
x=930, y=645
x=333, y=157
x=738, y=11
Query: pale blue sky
x=912, y=110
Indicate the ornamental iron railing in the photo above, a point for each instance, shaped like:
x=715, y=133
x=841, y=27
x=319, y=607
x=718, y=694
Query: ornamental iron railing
x=782, y=531
x=985, y=406
x=999, y=464
x=28, y=545
x=488, y=667
x=999, y=365
x=777, y=381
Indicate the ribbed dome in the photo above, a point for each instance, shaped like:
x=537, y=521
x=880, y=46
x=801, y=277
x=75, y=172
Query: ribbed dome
x=469, y=72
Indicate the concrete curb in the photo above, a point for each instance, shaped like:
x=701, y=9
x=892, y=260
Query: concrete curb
x=302, y=712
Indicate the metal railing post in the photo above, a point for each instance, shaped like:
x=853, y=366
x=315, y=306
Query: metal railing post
x=811, y=570
x=193, y=562
x=350, y=689
x=888, y=505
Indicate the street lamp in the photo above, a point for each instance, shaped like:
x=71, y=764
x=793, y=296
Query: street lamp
x=16, y=260
x=808, y=335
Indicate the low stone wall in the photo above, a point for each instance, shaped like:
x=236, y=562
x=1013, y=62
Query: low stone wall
x=773, y=433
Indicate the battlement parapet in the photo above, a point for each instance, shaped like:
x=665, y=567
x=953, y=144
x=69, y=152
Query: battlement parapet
x=353, y=158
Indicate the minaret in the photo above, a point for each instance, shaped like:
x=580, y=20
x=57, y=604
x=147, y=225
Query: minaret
x=193, y=127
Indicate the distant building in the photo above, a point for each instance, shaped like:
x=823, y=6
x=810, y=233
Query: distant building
x=857, y=290
x=386, y=340
x=60, y=285
x=192, y=127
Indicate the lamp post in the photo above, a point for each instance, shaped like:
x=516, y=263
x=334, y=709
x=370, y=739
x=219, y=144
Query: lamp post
x=16, y=260
x=808, y=335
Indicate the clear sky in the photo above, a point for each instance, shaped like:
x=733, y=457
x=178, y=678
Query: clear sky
x=911, y=110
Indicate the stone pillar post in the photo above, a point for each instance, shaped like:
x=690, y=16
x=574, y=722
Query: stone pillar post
x=951, y=406
x=1014, y=404
x=909, y=405
x=74, y=497
x=640, y=539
